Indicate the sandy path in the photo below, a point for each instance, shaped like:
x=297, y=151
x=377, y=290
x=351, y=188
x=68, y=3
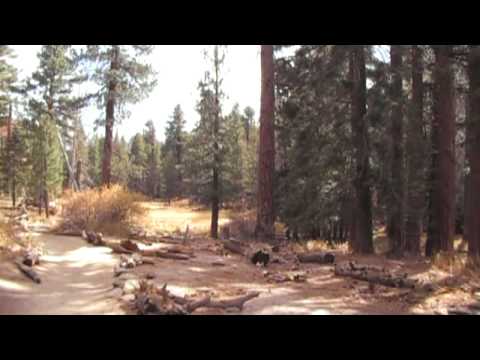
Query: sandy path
x=76, y=280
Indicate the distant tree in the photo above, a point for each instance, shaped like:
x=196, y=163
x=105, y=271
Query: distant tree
x=248, y=119
x=138, y=160
x=122, y=79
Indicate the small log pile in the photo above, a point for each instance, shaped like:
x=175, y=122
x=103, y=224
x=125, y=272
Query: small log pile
x=151, y=300
x=378, y=275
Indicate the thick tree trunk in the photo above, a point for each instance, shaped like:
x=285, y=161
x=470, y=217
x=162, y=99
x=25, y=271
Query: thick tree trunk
x=110, y=120
x=472, y=193
x=442, y=214
x=361, y=225
x=266, y=155
x=415, y=157
x=396, y=132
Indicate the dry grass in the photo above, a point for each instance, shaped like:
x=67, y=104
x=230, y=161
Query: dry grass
x=105, y=209
x=174, y=218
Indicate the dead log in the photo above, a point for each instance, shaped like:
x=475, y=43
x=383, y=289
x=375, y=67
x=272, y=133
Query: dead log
x=117, y=249
x=234, y=247
x=376, y=277
x=174, y=256
x=237, y=302
x=317, y=257
x=30, y=273
x=129, y=245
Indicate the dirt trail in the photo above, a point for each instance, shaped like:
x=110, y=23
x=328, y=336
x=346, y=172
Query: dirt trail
x=76, y=280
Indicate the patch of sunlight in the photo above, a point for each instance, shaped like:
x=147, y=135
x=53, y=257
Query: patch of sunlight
x=10, y=285
x=321, y=312
x=196, y=269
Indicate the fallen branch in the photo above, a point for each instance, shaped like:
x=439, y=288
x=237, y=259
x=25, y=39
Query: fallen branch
x=234, y=247
x=31, y=274
x=129, y=245
x=151, y=300
x=375, y=276
x=117, y=249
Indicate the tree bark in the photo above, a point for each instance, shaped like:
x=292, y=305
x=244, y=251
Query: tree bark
x=442, y=216
x=415, y=157
x=396, y=132
x=216, y=157
x=472, y=192
x=264, y=229
x=110, y=118
x=361, y=225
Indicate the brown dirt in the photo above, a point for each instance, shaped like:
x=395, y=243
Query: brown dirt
x=77, y=279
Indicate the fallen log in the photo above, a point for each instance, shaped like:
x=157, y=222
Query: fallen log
x=93, y=238
x=236, y=302
x=376, y=277
x=174, y=256
x=317, y=257
x=31, y=274
x=234, y=247
x=117, y=249
x=129, y=245
x=156, y=301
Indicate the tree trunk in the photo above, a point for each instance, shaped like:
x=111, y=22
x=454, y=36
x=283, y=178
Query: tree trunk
x=361, y=225
x=415, y=157
x=264, y=229
x=78, y=174
x=110, y=120
x=397, y=173
x=216, y=157
x=472, y=211
x=442, y=214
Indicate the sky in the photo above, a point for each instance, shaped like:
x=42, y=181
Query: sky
x=179, y=69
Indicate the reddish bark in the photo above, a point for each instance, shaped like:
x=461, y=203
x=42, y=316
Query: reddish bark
x=361, y=225
x=397, y=173
x=216, y=158
x=266, y=154
x=472, y=192
x=442, y=207
x=415, y=157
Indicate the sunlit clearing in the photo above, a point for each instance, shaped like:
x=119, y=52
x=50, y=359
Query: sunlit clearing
x=10, y=285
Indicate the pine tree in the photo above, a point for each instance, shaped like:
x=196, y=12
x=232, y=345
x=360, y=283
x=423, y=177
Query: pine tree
x=397, y=173
x=266, y=156
x=472, y=210
x=361, y=231
x=138, y=158
x=415, y=153
x=152, y=156
x=173, y=151
x=120, y=161
x=442, y=186
x=123, y=79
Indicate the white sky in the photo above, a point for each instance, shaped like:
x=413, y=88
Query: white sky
x=179, y=68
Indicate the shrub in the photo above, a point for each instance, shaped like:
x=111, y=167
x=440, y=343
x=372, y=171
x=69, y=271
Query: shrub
x=97, y=209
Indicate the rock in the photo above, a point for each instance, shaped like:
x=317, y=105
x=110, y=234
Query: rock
x=131, y=286
x=119, y=283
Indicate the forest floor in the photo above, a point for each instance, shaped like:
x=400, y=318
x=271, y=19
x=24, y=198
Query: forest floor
x=77, y=278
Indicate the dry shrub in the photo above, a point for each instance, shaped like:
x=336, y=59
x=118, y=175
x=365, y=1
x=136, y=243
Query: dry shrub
x=7, y=234
x=101, y=208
